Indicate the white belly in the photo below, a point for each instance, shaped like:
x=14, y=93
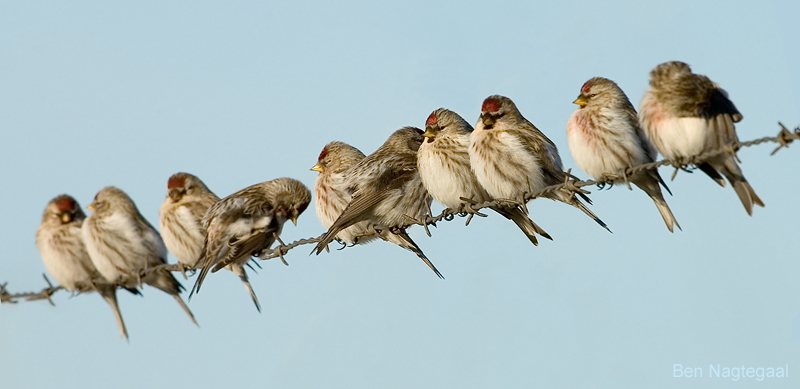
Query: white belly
x=503, y=166
x=449, y=178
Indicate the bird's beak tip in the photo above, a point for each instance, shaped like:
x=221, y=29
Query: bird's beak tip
x=316, y=168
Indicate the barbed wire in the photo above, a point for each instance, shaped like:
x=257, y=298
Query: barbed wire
x=571, y=184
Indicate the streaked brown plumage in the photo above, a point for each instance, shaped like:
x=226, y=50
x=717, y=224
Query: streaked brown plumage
x=121, y=244
x=512, y=158
x=604, y=138
x=181, y=217
x=246, y=223
x=330, y=193
x=386, y=190
x=686, y=114
x=60, y=243
x=444, y=167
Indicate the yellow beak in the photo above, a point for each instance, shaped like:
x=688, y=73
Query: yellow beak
x=429, y=134
x=66, y=217
x=294, y=219
x=90, y=207
x=581, y=101
x=317, y=168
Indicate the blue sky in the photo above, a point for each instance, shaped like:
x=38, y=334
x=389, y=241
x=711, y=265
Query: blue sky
x=95, y=94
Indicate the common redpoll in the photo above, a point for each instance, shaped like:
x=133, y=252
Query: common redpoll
x=246, y=223
x=181, y=217
x=686, y=114
x=122, y=244
x=444, y=167
x=604, y=138
x=331, y=195
x=386, y=190
x=512, y=158
x=60, y=244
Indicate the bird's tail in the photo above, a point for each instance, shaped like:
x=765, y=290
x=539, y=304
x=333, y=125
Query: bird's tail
x=239, y=271
x=528, y=227
x=711, y=172
x=185, y=308
x=728, y=167
x=666, y=213
x=109, y=293
x=166, y=282
x=569, y=198
x=649, y=184
x=402, y=239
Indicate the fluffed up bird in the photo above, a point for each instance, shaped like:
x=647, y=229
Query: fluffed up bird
x=121, y=244
x=331, y=195
x=246, y=224
x=181, y=217
x=604, y=138
x=444, y=167
x=686, y=114
x=386, y=191
x=512, y=158
x=60, y=244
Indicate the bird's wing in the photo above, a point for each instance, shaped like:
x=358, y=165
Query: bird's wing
x=721, y=114
x=364, y=199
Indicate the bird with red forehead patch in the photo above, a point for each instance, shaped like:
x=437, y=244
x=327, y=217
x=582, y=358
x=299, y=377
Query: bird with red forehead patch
x=61, y=246
x=444, y=167
x=385, y=189
x=331, y=195
x=684, y=115
x=246, y=223
x=604, y=138
x=511, y=158
x=181, y=216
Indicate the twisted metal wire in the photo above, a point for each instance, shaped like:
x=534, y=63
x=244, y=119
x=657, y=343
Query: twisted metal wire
x=570, y=184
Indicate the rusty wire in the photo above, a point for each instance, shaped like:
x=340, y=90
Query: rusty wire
x=571, y=184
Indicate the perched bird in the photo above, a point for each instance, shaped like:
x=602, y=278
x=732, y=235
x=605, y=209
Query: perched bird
x=604, y=138
x=121, y=244
x=444, y=167
x=181, y=217
x=330, y=191
x=246, y=223
x=686, y=114
x=512, y=158
x=386, y=191
x=60, y=244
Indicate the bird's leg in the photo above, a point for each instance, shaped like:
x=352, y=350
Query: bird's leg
x=422, y=222
x=280, y=248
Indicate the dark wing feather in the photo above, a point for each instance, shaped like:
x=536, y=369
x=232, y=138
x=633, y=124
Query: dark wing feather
x=364, y=201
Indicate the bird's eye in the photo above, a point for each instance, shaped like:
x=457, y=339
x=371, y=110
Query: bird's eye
x=592, y=95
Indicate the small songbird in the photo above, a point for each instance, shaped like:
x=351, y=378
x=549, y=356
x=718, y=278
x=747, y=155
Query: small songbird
x=60, y=244
x=181, y=217
x=330, y=192
x=246, y=223
x=604, y=138
x=386, y=191
x=686, y=114
x=332, y=196
x=444, y=167
x=512, y=158
x=122, y=244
